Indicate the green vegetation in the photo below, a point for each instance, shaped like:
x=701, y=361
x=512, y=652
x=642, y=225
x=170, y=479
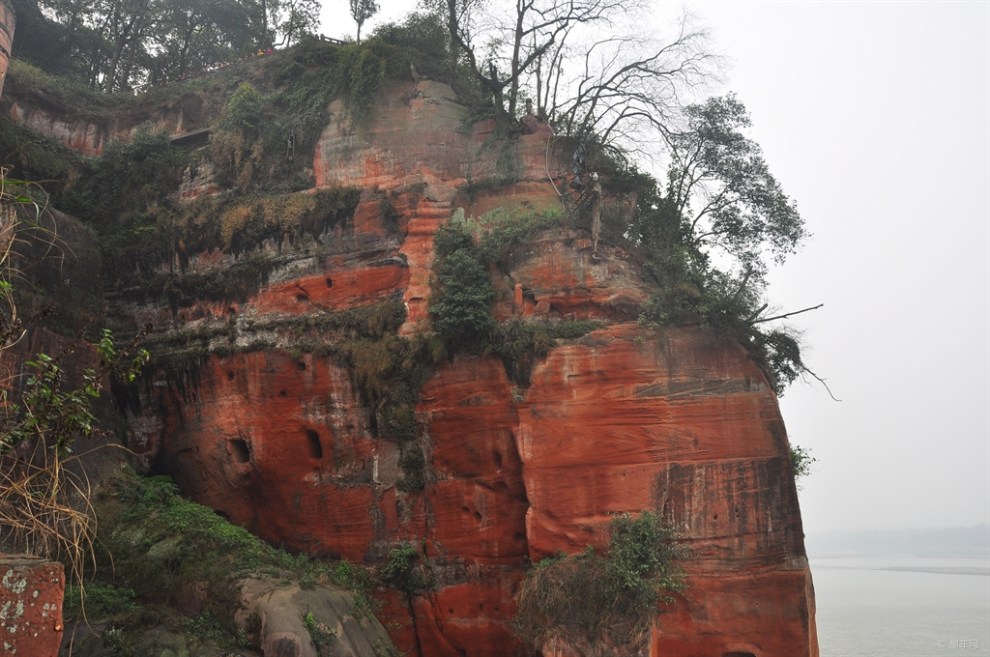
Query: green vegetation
x=402, y=570
x=35, y=157
x=503, y=229
x=389, y=373
x=322, y=636
x=603, y=601
x=801, y=461
x=158, y=550
x=460, y=303
x=45, y=410
x=521, y=344
x=117, y=45
x=718, y=195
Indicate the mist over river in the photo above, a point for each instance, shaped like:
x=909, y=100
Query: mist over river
x=902, y=606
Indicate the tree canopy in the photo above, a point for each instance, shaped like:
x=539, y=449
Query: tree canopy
x=361, y=11
x=706, y=232
x=723, y=189
x=116, y=45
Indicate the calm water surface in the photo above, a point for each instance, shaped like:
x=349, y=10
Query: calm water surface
x=864, y=610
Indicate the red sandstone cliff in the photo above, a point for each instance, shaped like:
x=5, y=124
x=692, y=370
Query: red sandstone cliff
x=624, y=419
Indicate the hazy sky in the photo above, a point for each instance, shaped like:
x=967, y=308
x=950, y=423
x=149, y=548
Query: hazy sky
x=875, y=118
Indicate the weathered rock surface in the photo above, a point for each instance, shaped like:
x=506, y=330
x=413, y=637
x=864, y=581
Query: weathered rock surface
x=8, y=23
x=31, y=591
x=281, y=440
x=291, y=621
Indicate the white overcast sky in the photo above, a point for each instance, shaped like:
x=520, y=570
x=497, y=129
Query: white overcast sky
x=875, y=118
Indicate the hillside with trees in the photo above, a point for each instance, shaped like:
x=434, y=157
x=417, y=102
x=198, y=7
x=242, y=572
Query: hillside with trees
x=296, y=288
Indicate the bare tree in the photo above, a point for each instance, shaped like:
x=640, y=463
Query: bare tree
x=501, y=47
x=582, y=62
x=623, y=88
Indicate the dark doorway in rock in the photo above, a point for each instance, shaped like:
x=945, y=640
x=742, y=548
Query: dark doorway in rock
x=240, y=450
x=313, y=440
x=738, y=654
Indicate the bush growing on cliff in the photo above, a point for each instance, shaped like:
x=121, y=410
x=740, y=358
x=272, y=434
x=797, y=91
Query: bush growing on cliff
x=49, y=405
x=801, y=462
x=460, y=304
x=601, y=603
x=160, y=551
x=400, y=570
x=521, y=344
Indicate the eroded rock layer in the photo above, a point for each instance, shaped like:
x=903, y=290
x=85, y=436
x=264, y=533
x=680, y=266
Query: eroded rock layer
x=272, y=417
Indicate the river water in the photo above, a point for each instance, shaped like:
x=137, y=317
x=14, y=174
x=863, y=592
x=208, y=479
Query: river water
x=902, y=607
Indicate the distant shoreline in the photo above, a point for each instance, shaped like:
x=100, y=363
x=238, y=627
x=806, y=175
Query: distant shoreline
x=952, y=570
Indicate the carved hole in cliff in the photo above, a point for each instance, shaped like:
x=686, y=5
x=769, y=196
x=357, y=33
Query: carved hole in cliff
x=282, y=393
x=230, y=376
x=498, y=460
x=240, y=450
x=465, y=509
x=477, y=516
x=738, y=654
x=301, y=298
x=329, y=281
x=313, y=440
x=519, y=538
x=301, y=366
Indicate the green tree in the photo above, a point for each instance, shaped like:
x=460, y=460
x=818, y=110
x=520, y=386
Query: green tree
x=195, y=35
x=361, y=11
x=460, y=303
x=117, y=45
x=723, y=190
x=285, y=22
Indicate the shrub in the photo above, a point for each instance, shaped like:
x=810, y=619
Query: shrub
x=603, y=603
x=801, y=461
x=505, y=229
x=460, y=303
x=413, y=465
x=520, y=343
x=400, y=570
x=321, y=634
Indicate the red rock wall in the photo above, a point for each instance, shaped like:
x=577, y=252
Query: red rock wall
x=8, y=22
x=31, y=592
x=620, y=420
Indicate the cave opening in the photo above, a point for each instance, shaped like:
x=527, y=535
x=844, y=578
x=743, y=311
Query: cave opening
x=313, y=441
x=240, y=450
x=738, y=654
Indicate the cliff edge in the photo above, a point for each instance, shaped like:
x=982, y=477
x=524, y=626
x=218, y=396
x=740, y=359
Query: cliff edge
x=294, y=392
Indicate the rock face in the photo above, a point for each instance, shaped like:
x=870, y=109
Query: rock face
x=8, y=21
x=286, y=441
x=292, y=622
x=30, y=606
